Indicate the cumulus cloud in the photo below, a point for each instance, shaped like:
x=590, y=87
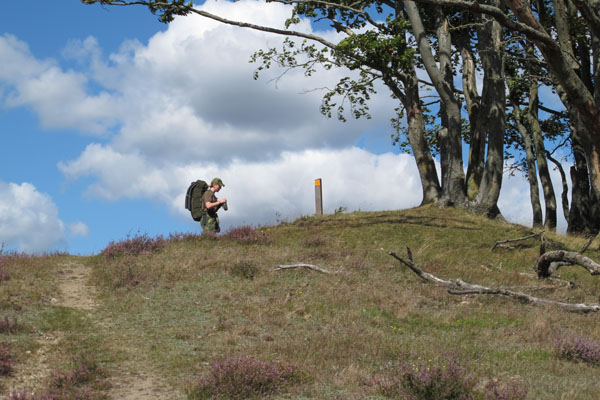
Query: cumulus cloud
x=58, y=97
x=29, y=219
x=188, y=101
x=78, y=229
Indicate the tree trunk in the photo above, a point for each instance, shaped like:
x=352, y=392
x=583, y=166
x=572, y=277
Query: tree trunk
x=417, y=139
x=418, y=142
x=542, y=163
x=534, y=190
x=494, y=101
x=473, y=103
x=416, y=134
x=453, y=175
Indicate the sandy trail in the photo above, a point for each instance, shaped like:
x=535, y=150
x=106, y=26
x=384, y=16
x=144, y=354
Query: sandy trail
x=132, y=380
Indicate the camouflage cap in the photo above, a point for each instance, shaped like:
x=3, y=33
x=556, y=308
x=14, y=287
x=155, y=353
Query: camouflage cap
x=217, y=181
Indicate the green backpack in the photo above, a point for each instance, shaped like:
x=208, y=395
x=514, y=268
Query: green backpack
x=193, y=198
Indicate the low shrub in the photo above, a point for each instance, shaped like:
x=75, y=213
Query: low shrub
x=4, y=275
x=9, y=326
x=314, y=241
x=248, y=235
x=85, y=370
x=499, y=390
x=6, y=360
x=183, y=237
x=578, y=348
x=447, y=380
x=139, y=244
x=244, y=269
x=127, y=272
x=86, y=381
x=243, y=378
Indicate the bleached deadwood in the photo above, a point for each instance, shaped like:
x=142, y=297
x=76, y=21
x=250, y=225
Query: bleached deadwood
x=557, y=264
x=501, y=243
x=459, y=287
x=302, y=265
x=548, y=263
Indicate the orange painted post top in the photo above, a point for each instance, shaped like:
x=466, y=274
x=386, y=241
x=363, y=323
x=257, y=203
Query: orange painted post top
x=318, y=197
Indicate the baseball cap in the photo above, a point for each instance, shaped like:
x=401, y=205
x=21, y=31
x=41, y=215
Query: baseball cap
x=217, y=181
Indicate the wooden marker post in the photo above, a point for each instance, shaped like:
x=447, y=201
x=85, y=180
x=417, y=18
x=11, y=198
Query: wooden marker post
x=318, y=197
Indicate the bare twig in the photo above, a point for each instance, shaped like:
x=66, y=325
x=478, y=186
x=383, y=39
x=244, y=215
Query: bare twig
x=501, y=242
x=460, y=287
x=588, y=243
x=302, y=265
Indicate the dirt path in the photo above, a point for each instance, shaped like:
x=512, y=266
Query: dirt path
x=132, y=380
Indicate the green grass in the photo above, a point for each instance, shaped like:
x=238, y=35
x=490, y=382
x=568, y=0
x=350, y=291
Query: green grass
x=195, y=302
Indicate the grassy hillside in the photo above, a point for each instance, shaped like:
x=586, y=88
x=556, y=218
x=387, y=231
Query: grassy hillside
x=162, y=313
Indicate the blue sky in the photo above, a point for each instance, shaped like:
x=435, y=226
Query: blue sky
x=107, y=115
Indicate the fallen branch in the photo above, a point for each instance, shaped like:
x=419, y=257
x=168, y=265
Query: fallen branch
x=302, y=265
x=557, y=264
x=548, y=263
x=460, y=287
x=501, y=243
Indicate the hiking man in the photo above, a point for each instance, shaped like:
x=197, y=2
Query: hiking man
x=210, y=203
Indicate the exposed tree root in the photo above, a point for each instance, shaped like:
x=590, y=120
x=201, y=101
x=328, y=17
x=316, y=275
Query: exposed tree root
x=459, y=287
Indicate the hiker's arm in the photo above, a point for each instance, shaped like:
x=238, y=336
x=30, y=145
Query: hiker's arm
x=217, y=203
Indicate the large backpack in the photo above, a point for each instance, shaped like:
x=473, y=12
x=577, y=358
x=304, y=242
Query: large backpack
x=193, y=198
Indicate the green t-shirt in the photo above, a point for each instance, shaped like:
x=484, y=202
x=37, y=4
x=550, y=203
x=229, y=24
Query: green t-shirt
x=209, y=197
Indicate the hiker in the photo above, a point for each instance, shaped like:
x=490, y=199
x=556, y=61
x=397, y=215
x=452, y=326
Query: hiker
x=210, y=219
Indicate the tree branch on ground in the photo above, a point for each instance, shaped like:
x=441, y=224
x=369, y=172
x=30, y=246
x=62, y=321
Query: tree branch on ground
x=302, y=265
x=459, y=287
x=548, y=263
x=501, y=243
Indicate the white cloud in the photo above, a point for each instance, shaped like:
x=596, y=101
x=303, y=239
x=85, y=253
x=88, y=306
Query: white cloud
x=59, y=97
x=79, y=229
x=29, y=219
x=262, y=192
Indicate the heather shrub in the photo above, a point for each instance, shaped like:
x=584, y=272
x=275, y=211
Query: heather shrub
x=244, y=269
x=127, y=272
x=243, y=378
x=4, y=275
x=578, y=348
x=446, y=380
x=248, y=235
x=6, y=360
x=139, y=244
x=80, y=383
x=85, y=370
x=208, y=235
x=498, y=390
x=183, y=237
x=9, y=326
x=86, y=381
